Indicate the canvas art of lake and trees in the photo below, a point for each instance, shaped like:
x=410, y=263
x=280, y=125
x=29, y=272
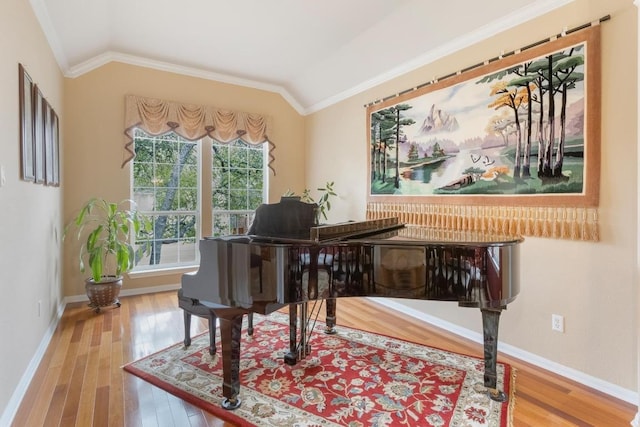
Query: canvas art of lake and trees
x=518, y=130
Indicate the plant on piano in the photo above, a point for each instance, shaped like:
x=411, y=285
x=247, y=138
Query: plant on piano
x=105, y=230
x=323, y=202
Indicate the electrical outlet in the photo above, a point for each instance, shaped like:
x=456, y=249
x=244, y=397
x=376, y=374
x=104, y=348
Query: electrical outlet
x=557, y=322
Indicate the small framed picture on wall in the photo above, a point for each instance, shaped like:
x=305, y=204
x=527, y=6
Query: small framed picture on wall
x=26, y=124
x=47, y=112
x=38, y=128
x=55, y=145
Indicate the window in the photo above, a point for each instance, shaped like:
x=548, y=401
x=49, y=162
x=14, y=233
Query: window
x=187, y=202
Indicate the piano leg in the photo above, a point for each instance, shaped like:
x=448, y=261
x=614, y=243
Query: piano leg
x=212, y=331
x=291, y=358
x=230, y=335
x=490, y=322
x=187, y=328
x=190, y=307
x=331, y=316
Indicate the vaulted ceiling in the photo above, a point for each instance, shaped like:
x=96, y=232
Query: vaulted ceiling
x=314, y=53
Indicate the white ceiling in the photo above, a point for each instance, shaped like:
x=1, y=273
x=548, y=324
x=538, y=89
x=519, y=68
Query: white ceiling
x=314, y=53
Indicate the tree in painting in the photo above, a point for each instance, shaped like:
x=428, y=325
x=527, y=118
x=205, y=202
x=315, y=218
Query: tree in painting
x=551, y=75
x=386, y=132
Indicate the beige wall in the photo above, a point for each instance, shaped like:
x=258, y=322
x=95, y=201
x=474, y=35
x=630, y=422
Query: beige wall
x=94, y=104
x=30, y=218
x=594, y=285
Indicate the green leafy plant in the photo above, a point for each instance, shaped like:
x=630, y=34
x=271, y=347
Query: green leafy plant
x=104, y=228
x=323, y=202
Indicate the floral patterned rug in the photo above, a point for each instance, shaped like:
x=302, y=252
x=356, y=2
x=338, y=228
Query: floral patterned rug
x=353, y=378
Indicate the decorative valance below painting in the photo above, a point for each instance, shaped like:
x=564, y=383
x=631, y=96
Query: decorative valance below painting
x=511, y=145
x=193, y=122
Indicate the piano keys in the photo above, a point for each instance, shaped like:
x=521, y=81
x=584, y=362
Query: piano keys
x=378, y=258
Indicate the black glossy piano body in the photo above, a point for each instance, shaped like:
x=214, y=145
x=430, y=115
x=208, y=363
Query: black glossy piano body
x=381, y=258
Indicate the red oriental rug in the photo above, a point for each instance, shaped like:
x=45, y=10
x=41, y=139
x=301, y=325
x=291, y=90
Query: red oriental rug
x=353, y=378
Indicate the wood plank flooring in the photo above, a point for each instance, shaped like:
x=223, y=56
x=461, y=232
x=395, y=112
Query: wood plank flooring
x=80, y=381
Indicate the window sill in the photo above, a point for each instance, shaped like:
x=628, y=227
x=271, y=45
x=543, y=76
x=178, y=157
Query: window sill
x=139, y=274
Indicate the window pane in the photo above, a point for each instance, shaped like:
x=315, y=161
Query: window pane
x=255, y=199
x=166, y=152
x=189, y=199
x=239, y=179
x=144, y=150
x=163, y=175
x=256, y=159
x=237, y=200
x=143, y=174
x=256, y=179
x=220, y=157
x=238, y=156
x=220, y=200
x=189, y=176
x=220, y=178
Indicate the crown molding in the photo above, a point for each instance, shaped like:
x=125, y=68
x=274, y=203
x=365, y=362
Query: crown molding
x=111, y=56
x=507, y=22
x=514, y=19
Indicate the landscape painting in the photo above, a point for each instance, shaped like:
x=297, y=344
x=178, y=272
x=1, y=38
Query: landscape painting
x=520, y=129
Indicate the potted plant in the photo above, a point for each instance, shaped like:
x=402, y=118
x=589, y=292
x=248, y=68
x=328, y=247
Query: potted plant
x=323, y=202
x=104, y=229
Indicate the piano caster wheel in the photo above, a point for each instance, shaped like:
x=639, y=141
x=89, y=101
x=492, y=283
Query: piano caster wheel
x=231, y=404
x=290, y=359
x=330, y=330
x=496, y=395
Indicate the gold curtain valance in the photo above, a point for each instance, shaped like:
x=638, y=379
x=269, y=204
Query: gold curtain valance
x=192, y=122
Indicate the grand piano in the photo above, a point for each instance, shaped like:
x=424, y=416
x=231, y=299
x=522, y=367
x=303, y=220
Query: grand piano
x=287, y=260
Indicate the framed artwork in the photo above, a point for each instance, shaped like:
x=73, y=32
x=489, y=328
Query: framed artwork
x=520, y=130
x=48, y=142
x=55, y=146
x=38, y=137
x=25, y=97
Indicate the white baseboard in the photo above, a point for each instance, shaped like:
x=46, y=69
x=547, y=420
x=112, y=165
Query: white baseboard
x=613, y=390
x=18, y=394
x=128, y=292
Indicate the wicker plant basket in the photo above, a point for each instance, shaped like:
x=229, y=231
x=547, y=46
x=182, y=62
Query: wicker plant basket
x=104, y=293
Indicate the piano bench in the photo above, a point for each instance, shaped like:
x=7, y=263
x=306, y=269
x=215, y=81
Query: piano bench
x=205, y=310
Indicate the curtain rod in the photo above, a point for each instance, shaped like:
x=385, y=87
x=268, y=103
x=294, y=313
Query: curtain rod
x=557, y=36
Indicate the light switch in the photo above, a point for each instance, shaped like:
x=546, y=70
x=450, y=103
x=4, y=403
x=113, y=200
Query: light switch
x=3, y=178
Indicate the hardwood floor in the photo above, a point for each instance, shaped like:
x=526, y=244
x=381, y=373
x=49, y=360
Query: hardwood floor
x=80, y=381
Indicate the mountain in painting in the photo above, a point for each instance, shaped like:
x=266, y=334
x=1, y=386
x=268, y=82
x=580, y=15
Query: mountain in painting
x=437, y=121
